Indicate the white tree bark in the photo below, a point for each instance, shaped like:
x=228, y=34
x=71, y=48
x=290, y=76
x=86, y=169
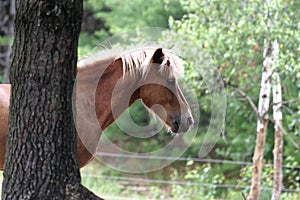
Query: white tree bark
x=262, y=124
x=278, y=146
x=269, y=63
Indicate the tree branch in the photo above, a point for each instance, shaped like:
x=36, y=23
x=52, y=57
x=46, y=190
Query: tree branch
x=251, y=103
x=286, y=102
x=243, y=94
x=283, y=103
x=288, y=136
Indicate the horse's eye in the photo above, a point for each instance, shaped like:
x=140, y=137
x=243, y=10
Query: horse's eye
x=171, y=81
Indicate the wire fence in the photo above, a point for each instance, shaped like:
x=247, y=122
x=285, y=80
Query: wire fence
x=204, y=160
x=185, y=183
x=181, y=183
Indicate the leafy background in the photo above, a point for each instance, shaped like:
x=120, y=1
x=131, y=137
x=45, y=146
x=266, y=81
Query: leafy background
x=233, y=34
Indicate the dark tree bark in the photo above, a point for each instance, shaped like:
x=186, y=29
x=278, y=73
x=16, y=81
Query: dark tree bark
x=7, y=16
x=41, y=157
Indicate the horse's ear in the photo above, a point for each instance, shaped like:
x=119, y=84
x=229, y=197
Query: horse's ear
x=158, y=56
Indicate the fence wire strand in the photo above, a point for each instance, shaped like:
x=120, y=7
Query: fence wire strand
x=185, y=183
x=206, y=160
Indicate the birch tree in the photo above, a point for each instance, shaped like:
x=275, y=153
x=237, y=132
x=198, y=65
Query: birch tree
x=278, y=144
x=241, y=36
x=262, y=124
x=269, y=74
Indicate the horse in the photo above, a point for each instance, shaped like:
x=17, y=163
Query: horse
x=157, y=68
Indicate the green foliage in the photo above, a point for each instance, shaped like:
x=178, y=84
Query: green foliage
x=1, y=77
x=127, y=15
x=106, y=188
x=290, y=177
x=203, y=182
x=232, y=35
x=3, y=41
x=114, y=17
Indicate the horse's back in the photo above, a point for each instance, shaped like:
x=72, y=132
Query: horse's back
x=4, y=109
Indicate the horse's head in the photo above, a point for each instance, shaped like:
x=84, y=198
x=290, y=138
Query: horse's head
x=162, y=94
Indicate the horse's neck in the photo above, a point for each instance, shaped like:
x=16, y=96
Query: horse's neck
x=114, y=94
x=96, y=98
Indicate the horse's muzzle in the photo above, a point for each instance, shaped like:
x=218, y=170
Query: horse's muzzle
x=181, y=124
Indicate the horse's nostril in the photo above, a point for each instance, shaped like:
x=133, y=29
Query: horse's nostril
x=175, y=124
x=190, y=121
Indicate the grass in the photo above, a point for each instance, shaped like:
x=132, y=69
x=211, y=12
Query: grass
x=95, y=177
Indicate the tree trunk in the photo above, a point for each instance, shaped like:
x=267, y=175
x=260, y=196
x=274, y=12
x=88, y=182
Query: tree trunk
x=270, y=53
x=258, y=162
x=41, y=161
x=278, y=146
x=262, y=123
x=7, y=16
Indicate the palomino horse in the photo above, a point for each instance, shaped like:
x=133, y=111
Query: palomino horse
x=159, y=67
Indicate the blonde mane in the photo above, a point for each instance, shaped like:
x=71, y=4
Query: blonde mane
x=140, y=60
x=137, y=61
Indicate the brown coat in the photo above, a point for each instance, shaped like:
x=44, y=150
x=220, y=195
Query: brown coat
x=4, y=109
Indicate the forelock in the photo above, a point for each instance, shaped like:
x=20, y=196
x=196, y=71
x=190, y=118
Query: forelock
x=140, y=61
